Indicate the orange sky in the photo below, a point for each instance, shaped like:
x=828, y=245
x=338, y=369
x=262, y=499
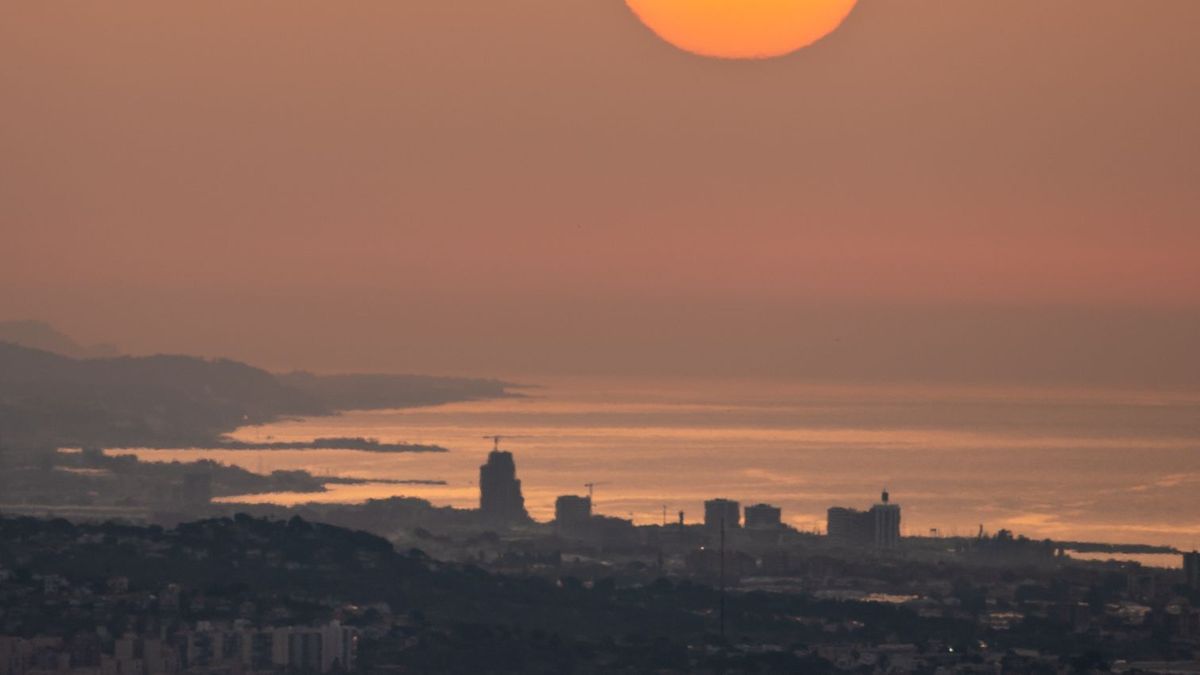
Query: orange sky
x=543, y=185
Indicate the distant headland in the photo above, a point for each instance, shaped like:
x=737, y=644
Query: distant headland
x=51, y=399
x=338, y=443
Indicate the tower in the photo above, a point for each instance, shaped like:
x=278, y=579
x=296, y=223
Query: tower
x=886, y=517
x=722, y=511
x=500, y=498
x=763, y=517
x=572, y=512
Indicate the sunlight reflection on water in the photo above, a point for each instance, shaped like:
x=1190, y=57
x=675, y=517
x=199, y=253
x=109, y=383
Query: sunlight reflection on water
x=1106, y=466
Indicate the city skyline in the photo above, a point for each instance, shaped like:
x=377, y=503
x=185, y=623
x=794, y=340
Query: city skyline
x=606, y=336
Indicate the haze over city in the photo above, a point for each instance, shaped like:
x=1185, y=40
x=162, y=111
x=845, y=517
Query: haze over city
x=618, y=336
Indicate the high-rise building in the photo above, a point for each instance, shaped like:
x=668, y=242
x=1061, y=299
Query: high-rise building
x=763, y=517
x=325, y=649
x=879, y=527
x=500, y=498
x=849, y=527
x=1191, y=569
x=885, y=518
x=571, y=511
x=718, y=512
x=339, y=647
x=256, y=649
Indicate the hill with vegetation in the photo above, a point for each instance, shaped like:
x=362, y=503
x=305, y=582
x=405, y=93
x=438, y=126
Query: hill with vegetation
x=48, y=399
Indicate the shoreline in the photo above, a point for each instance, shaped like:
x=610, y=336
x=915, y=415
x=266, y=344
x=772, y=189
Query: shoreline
x=358, y=443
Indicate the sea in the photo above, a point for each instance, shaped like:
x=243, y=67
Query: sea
x=1120, y=466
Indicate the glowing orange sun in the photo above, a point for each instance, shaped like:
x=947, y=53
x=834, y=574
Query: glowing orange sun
x=742, y=29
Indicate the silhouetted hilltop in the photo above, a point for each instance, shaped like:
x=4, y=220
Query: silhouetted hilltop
x=364, y=392
x=48, y=398
x=176, y=401
x=248, y=551
x=41, y=335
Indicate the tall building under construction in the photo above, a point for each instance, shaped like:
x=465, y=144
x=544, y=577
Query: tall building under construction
x=500, y=498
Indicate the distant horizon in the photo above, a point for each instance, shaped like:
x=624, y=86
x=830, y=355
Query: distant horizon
x=1074, y=348
x=303, y=260
x=963, y=191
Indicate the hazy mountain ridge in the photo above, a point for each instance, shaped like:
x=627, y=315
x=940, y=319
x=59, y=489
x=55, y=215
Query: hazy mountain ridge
x=48, y=398
x=43, y=336
x=171, y=400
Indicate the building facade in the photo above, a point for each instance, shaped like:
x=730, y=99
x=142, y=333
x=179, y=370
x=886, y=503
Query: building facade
x=763, y=517
x=722, y=512
x=571, y=511
x=878, y=527
x=886, y=525
x=849, y=527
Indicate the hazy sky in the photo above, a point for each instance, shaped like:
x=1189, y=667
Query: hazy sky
x=969, y=189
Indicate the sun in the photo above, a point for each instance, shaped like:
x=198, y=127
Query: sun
x=742, y=29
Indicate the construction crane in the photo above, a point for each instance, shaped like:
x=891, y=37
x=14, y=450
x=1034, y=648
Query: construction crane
x=592, y=487
x=496, y=438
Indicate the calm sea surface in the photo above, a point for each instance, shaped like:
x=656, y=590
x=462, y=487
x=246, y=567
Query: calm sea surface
x=1110, y=466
